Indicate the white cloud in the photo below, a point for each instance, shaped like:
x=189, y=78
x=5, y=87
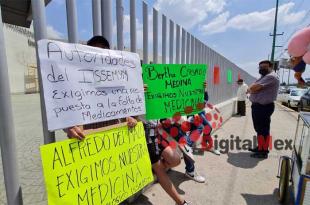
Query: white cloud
x=218, y=25
x=189, y=13
x=254, y=21
x=53, y=33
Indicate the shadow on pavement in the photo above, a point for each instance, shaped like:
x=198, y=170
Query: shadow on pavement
x=242, y=160
x=177, y=178
x=141, y=200
x=268, y=199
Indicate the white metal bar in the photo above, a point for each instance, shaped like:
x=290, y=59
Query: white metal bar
x=72, y=21
x=96, y=12
x=183, y=50
x=188, y=48
x=39, y=26
x=120, y=22
x=171, y=41
x=177, y=50
x=7, y=136
x=164, y=38
x=133, y=31
x=106, y=20
x=145, y=33
x=155, y=36
x=192, y=49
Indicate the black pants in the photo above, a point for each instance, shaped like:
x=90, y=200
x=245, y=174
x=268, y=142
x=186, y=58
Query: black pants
x=241, y=108
x=261, y=115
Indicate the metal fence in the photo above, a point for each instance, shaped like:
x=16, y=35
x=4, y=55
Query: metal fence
x=183, y=47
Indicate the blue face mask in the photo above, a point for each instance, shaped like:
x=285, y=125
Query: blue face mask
x=300, y=67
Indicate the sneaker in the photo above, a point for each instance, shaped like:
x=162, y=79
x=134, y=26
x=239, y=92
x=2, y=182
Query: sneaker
x=216, y=152
x=185, y=203
x=253, y=149
x=260, y=155
x=195, y=176
x=256, y=150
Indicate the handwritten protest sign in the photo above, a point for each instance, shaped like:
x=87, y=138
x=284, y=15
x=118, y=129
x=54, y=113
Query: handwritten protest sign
x=173, y=89
x=105, y=168
x=85, y=84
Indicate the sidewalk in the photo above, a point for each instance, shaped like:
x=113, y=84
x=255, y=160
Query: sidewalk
x=232, y=178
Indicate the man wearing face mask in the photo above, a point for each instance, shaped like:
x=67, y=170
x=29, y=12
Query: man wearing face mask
x=263, y=93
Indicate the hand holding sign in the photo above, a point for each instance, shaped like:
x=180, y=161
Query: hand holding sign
x=105, y=168
x=173, y=89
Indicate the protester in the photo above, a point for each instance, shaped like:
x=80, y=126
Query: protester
x=184, y=132
x=263, y=93
x=162, y=158
x=181, y=137
x=199, y=124
x=241, y=97
x=204, y=128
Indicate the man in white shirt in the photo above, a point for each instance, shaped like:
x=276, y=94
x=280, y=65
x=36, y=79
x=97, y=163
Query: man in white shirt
x=241, y=95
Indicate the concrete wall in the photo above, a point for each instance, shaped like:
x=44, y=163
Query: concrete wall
x=21, y=58
x=227, y=108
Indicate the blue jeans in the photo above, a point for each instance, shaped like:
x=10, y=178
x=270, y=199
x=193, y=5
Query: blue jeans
x=189, y=165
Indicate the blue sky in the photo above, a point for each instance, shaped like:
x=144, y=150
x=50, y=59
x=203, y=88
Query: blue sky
x=237, y=29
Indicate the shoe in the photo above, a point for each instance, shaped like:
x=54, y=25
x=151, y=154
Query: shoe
x=253, y=149
x=216, y=152
x=256, y=150
x=195, y=176
x=260, y=155
x=185, y=203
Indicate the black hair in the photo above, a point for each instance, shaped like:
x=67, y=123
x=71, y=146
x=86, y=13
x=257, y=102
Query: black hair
x=240, y=81
x=99, y=40
x=267, y=62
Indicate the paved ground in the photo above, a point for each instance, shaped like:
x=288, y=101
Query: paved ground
x=232, y=178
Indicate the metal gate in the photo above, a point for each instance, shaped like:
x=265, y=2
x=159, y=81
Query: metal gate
x=183, y=47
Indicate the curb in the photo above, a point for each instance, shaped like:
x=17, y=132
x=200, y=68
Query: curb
x=289, y=110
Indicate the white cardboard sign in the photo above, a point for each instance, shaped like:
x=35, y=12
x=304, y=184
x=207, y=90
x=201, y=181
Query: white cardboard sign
x=84, y=84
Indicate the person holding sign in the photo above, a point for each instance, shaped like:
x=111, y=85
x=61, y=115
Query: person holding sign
x=200, y=131
x=162, y=158
x=77, y=131
x=180, y=129
x=159, y=166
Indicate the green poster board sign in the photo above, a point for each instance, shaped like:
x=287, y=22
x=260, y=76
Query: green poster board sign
x=229, y=76
x=173, y=89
